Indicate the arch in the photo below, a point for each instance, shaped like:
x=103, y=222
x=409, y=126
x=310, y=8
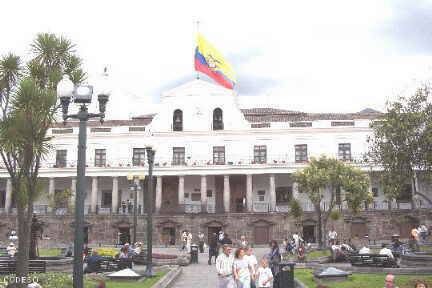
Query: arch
x=218, y=119
x=177, y=120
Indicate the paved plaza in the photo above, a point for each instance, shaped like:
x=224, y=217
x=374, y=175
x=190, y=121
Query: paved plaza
x=200, y=275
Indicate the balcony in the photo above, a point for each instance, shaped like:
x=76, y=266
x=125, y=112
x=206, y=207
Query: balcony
x=275, y=160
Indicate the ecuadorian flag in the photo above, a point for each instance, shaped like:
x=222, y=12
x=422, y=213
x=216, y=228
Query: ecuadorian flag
x=209, y=61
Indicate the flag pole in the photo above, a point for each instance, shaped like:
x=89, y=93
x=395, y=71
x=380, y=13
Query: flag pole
x=196, y=34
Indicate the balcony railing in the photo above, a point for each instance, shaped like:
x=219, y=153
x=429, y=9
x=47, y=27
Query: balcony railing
x=203, y=161
x=195, y=208
x=261, y=207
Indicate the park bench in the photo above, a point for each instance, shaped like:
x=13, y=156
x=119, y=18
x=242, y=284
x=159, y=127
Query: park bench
x=109, y=265
x=9, y=266
x=3, y=252
x=375, y=260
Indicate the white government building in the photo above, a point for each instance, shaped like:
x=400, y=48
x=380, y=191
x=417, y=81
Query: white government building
x=216, y=167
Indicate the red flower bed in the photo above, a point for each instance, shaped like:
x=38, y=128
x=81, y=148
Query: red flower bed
x=163, y=256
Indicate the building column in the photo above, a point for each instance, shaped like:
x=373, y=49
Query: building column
x=158, y=194
x=115, y=195
x=181, y=193
x=204, y=194
x=51, y=191
x=249, y=197
x=272, y=189
x=8, y=200
x=226, y=194
x=94, y=193
x=73, y=191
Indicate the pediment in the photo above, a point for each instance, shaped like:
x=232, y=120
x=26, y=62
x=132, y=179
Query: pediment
x=197, y=87
x=168, y=223
x=261, y=222
x=214, y=223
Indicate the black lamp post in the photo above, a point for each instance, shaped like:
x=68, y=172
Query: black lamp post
x=135, y=186
x=81, y=96
x=149, y=206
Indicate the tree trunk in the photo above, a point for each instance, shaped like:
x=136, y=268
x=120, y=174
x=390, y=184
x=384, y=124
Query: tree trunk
x=23, y=244
x=320, y=227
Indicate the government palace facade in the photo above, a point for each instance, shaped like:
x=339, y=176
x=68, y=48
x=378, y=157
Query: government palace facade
x=217, y=166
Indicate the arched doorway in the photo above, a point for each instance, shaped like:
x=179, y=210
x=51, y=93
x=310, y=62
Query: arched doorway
x=262, y=231
x=309, y=230
x=213, y=227
x=124, y=235
x=406, y=224
x=168, y=231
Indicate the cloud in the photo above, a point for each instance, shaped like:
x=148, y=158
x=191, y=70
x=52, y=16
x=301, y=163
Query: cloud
x=409, y=30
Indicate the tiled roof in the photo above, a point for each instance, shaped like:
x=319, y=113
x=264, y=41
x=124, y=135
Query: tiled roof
x=261, y=115
x=139, y=121
x=253, y=115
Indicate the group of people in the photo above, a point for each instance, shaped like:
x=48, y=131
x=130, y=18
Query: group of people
x=126, y=251
x=186, y=238
x=241, y=270
x=294, y=246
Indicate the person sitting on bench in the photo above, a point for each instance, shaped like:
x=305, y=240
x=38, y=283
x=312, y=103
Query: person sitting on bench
x=386, y=251
x=364, y=250
x=93, y=263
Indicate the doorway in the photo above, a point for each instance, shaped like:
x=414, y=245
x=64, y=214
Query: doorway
x=309, y=234
x=261, y=234
x=211, y=231
x=168, y=235
x=124, y=235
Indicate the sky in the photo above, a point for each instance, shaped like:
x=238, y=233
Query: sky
x=311, y=56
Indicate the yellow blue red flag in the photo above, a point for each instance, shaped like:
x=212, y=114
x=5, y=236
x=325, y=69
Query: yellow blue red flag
x=210, y=62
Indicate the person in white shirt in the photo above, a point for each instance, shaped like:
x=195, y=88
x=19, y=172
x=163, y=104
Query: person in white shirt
x=253, y=263
x=364, y=250
x=189, y=242
x=264, y=275
x=224, y=268
x=11, y=249
x=296, y=239
x=386, y=251
x=332, y=236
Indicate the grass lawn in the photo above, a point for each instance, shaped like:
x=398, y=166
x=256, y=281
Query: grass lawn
x=317, y=254
x=363, y=280
x=147, y=283
x=49, y=252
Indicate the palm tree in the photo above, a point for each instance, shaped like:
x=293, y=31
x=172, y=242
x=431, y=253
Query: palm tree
x=53, y=57
x=28, y=113
x=10, y=72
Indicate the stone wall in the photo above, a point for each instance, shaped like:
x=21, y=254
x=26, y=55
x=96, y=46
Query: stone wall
x=103, y=229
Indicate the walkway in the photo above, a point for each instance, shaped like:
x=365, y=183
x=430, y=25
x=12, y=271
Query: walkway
x=200, y=275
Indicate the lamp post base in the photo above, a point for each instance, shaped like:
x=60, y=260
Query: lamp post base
x=149, y=271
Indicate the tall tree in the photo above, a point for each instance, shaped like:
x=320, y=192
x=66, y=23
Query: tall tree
x=30, y=111
x=401, y=143
x=321, y=179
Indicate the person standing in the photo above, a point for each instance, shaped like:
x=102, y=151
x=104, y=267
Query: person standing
x=224, y=268
x=275, y=257
x=189, y=242
x=213, y=248
x=296, y=239
x=241, y=270
x=184, y=240
x=243, y=242
x=253, y=263
x=201, y=241
x=332, y=236
x=264, y=275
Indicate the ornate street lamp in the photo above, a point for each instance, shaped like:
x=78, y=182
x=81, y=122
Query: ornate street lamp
x=135, y=186
x=149, y=205
x=81, y=95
